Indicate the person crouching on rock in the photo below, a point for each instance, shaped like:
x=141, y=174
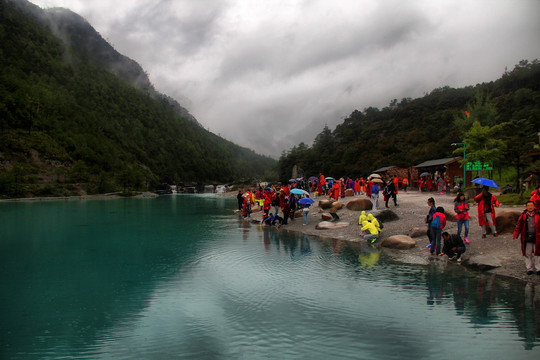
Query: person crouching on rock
x=453, y=246
x=272, y=220
x=372, y=219
x=528, y=226
x=369, y=231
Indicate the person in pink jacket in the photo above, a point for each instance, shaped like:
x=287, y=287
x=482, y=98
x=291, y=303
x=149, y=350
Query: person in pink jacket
x=461, y=208
x=487, y=203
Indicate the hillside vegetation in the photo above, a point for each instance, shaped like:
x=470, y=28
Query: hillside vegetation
x=501, y=127
x=76, y=116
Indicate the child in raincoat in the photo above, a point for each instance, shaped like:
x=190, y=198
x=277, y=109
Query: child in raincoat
x=369, y=231
x=362, y=218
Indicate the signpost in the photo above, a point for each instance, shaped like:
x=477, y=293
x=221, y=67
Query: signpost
x=478, y=165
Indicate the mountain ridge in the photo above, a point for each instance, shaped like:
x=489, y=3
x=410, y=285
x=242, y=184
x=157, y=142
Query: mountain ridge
x=70, y=125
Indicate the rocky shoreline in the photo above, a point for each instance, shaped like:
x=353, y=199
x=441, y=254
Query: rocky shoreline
x=499, y=255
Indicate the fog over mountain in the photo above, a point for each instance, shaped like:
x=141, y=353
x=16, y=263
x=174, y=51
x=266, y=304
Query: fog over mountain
x=269, y=74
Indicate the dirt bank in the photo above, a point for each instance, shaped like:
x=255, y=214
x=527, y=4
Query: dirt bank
x=412, y=211
x=111, y=196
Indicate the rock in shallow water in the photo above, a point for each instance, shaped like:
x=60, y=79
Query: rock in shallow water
x=327, y=225
x=482, y=262
x=399, y=242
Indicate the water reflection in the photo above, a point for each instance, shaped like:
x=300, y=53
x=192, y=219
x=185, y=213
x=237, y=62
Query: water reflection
x=484, y=300
x=184, y=276
x=487, y=300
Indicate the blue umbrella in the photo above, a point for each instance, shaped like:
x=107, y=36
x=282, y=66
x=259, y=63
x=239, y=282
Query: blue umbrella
x=306, y=201
x=297, y=192
x=486, y=182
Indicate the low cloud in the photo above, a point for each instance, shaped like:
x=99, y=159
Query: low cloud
x=268, y=75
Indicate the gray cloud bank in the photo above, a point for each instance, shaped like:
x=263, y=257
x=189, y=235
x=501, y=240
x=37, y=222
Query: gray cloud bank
x=268, y=75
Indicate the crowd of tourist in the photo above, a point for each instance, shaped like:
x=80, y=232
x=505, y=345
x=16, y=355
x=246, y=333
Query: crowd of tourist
x=296, y=196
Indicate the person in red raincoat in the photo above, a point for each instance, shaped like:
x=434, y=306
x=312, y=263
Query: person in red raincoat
x=321, y=182
x=396, y=183
x=528, y=227
x=486, y=211
x=535, y=197
x=267, y=204
x=342, y=186
x=334, y=191
x=368, y=190
x=357, y=187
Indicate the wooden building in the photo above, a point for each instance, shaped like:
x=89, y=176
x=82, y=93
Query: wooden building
x=449, y=168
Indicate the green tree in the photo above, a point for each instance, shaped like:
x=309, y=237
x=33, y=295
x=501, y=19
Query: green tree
x=482, y=145
x=519, y=137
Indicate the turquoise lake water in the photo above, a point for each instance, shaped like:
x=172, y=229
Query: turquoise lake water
x=183, y=277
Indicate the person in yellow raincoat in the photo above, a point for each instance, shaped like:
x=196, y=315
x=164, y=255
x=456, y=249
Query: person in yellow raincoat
x=369, y=231
x=372, y=219
x=362, y=218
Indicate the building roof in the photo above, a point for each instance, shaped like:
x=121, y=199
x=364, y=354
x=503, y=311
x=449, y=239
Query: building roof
x=383, y=169
x=437, y=162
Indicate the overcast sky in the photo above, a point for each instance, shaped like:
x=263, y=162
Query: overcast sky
x=270, y=74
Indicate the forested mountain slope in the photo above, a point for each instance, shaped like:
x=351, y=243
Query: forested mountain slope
x=502, y=127
x=76, y=116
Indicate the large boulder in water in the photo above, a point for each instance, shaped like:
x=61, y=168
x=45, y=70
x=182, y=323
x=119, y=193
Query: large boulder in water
x=360, y=204
x=326, y=203
x=402, y=242
x=385, y=215
x=506, y=221
x=327, y=225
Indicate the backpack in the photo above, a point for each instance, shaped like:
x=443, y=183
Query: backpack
x=436, y=222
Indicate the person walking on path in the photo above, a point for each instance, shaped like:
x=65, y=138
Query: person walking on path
x=437, y=224
x=486, y=211
x=375, y=196
x=528, y=227
x=357, y=187
x=404, y=184
x=453, y=246
x=391, y=192
x=305, y=212
x=461, y=208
